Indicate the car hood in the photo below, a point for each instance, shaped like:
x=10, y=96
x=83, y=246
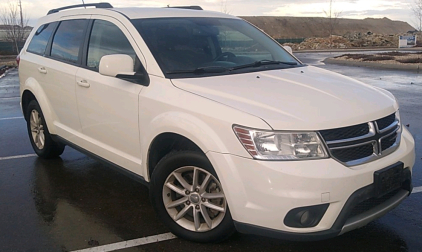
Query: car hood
x=303, y=98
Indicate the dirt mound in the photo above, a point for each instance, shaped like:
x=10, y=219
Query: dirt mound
x=347, y=41
x=308, y=27
x=336, y=42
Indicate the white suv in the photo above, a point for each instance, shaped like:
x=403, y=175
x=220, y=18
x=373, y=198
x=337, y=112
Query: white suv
x=228, y=129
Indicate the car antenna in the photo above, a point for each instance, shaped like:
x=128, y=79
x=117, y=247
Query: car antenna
x=83, y=2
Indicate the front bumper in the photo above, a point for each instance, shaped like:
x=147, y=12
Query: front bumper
x=261, y=193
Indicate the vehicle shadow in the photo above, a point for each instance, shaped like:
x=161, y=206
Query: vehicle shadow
x=86, y=204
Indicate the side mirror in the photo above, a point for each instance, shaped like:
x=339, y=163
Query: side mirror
x=116, y=65
x=289, y=49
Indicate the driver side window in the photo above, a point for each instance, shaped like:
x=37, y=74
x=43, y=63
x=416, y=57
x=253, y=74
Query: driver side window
x=106, y=39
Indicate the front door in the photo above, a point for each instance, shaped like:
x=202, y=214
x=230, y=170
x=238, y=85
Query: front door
x=108, y=106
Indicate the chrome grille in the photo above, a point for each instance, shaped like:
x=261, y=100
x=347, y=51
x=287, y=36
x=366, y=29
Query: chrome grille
x=346, y=132
x=388, y=141
x=362, y=143
x=386, y=121
x=353, y=153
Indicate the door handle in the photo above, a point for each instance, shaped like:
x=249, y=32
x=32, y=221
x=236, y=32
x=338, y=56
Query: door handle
x=83, y=83
x=42, y=70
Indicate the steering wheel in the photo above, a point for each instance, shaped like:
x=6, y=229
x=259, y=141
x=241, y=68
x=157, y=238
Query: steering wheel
x=230, y=56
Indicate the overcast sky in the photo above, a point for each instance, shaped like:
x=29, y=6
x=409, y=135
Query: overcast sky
x=392, y=9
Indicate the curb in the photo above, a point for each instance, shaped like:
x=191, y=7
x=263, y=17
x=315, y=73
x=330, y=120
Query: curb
x=415, y=67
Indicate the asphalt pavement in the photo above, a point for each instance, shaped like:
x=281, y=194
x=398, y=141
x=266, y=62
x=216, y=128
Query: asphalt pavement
x=75, y=202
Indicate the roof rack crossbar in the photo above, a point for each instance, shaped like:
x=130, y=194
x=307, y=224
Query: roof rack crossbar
x=192, y=7
x=96, y=5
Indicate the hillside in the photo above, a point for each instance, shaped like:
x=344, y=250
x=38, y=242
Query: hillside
x=306, y=27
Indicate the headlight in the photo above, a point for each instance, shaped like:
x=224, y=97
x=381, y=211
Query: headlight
x=280, y=145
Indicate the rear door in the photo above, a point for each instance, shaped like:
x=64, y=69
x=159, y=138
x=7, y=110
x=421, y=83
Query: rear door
x=108, y=106
x=63, y=60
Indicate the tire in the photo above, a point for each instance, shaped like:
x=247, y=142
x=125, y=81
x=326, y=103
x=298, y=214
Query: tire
x=40, y=137
x=172, y=186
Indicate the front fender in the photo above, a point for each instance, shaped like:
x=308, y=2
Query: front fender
x=186, y=125
x=164, y=108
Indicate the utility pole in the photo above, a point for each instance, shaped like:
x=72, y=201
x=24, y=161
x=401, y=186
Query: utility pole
x=21, y=15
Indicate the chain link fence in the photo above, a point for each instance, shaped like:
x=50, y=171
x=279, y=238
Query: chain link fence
x=290, y=40
x=7, y=48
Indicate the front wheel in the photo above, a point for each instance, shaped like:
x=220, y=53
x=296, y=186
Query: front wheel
x=40, y=137
x=188, y=197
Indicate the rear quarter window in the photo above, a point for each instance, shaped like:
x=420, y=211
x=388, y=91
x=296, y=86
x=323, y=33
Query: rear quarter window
x=40, y=39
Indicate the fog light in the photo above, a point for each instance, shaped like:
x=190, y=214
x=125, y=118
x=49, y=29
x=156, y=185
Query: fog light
x=305, y=217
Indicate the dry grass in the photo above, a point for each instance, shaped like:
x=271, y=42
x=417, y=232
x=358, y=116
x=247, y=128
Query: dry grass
x=378, y=58
x=8, y=60
x=393, y=57
x=8, y=63
x=354, y=56
x=410, y=61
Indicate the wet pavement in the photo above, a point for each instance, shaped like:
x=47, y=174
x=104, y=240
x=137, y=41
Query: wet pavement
x=76, y=202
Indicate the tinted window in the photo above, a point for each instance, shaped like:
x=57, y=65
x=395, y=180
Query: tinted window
x=40, y=39
x=68, y=40
x=106, y=38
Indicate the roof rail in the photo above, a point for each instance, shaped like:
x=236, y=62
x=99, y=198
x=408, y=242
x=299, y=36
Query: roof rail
x=96, y=5
x=192, y=7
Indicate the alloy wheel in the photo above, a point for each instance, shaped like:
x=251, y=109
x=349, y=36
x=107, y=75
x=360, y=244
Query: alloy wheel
x=194, y=199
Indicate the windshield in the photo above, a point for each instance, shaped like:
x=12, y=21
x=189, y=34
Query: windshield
x=200, y=46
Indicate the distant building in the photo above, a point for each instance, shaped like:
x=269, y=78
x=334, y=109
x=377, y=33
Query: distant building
x=407, y=41
x=5, y=28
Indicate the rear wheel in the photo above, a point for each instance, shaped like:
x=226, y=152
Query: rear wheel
x=40, y=137
x=189, y=198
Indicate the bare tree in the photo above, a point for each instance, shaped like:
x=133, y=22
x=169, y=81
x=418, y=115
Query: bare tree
x=333, y=20
x=15, y=23
x=417, y=13
x=224, y=7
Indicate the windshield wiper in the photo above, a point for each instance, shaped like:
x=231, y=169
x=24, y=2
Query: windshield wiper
x=201, y=70
x=262, y=63
x=219, y=69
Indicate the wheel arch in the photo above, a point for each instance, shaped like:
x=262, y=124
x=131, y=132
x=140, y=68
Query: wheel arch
x=33, y=91
x=166, y=143
x=190, y=133
x=27, y=97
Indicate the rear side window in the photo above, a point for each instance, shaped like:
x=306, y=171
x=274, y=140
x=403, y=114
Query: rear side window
x=68, y=40
x=40, y=39
x=106, y=38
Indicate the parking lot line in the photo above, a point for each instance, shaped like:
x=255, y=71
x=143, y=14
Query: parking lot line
x=11, y=118
x=19, y=156
x=10, y=98
x=130, y=243
x=417, y=189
